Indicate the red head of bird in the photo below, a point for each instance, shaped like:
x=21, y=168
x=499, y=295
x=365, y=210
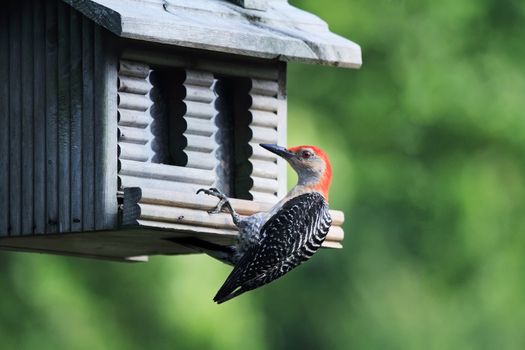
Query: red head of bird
x=311, y=165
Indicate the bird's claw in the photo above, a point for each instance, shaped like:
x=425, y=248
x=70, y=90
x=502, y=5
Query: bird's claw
x=212, y=191
x=218, y=208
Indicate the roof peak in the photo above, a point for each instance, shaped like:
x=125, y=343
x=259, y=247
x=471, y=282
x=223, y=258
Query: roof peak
x=281, y=32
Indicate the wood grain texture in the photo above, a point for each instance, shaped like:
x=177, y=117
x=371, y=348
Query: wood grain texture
x=88, y=132
x=282, y=128
x=128, y=117
x=51, y=88
x=48, y=111
x=261, y=5
x=233, y=66
x=39, y=117
x=159, y=184
x=64, y=119
x=180, y=210
x=134, y=135
x=122, y=245
x=134, y=114
x=27, y=150
x=4, y=121
x=288, y=34
x=166, y=172
x=106, y=129
x=15, y=122
x=76, y=99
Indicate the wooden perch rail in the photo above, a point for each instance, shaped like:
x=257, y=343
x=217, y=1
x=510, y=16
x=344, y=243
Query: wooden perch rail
x=185, y=211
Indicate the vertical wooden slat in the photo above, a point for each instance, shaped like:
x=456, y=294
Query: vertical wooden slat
x=88, y=133
x=75, y=27
x=282, y=130
x=64, y=120
x=27, y=118
x=39, y=117
x=105, y=72
x=4, y=121
x=15, y=115
x=51, y=117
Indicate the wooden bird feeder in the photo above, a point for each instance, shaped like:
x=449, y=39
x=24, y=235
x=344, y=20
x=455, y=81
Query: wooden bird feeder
x=114, y=112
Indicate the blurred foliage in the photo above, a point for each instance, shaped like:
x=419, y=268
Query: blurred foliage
x=428, y=148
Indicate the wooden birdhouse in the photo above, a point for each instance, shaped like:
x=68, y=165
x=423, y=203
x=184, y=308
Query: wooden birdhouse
x=114, y=113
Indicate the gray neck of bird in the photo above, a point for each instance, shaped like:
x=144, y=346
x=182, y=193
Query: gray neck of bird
x=308, y=177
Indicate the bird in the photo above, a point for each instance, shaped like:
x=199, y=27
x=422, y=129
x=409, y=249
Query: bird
x=272, y=243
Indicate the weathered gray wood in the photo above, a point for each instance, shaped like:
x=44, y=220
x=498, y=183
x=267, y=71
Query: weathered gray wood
x=282, y=130
x=199, y=93
x=164, y=216
x=200, y=160
x=166, y=172
x=195, y=126
x=211, y=234
x=4, y=120
x=133, y=101
x=133, y=85
x=105, y=72
x=332, y=244
x=106, y=245
x=205, y=203
x=197, y=77
x=88, y=132
x=26, y=172
x=199, y=110
x=15, y=125
x=39, y=115
x=174, y=211
x=264, y=103
x=261, y=5
x=264, y=135
x=231, y=67
x=265, y=87
x=133, y=69
x=167, y=185
x=76, y=86
x=286, y=33
x=185, y=216
x=199, y=143
x=261, y=184
x=64, y=120
x=264, y=119
x=134, y=135
x=262, y=196
x=137, y=119
x=51, y=117
x=133, y=151
x=265, y=169
x=131, y=209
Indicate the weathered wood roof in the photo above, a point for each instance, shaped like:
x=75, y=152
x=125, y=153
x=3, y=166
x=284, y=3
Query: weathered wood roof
x=281, y=31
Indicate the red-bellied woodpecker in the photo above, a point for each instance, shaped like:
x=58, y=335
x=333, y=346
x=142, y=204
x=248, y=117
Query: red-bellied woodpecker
x=272, y=243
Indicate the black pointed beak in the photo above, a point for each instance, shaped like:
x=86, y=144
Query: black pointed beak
x=279, y=150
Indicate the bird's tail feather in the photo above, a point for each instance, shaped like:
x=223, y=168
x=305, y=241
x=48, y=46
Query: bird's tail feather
x=219, y=299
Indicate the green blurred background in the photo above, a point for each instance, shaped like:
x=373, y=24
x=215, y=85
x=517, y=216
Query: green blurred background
x=427, y=142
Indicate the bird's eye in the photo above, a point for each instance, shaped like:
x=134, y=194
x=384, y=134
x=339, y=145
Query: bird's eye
x=306, y=154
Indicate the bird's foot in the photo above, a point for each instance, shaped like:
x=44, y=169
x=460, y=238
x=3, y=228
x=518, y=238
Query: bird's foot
x=223, y=200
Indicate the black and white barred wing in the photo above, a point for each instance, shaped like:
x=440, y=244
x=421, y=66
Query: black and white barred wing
x=288, y=238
